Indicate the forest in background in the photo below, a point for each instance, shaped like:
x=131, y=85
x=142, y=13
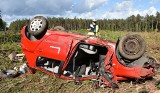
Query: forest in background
x=133, y=23
x=138, y=23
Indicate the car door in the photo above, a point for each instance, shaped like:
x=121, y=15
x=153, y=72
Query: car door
x=55, y=47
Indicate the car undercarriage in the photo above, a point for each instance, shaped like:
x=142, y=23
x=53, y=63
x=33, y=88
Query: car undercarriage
x=79, y=57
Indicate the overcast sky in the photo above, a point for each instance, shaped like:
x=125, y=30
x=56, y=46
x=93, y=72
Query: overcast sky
x=93, y=9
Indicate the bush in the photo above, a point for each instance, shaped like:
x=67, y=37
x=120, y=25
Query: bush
x=9, y=36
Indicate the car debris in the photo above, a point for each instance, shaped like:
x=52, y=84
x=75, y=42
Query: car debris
x=9, y=73
x=12, y=73
x=80, y=57
x=23, y=68
x=16, y=57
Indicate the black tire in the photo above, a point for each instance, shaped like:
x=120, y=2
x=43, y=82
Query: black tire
x=59, y=28
x=38, y=26
x=131, y=47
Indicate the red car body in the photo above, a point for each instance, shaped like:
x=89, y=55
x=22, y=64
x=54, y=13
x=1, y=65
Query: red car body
x=61, y=46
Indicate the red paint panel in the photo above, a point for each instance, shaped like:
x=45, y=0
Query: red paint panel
x=55, y=47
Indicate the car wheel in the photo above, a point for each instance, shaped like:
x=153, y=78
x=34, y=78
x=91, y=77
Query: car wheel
x=131, y=47
x=38, y=26
x=60, y=28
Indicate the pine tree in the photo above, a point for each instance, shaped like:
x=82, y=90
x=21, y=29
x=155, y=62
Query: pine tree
x=1, y=22
x=132, y=23
x=158, y=21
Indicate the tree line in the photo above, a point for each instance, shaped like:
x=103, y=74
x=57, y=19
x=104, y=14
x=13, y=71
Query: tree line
x=2, y=23
x=133, y=23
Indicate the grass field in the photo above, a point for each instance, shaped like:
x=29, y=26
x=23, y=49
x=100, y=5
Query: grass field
x=42, y=83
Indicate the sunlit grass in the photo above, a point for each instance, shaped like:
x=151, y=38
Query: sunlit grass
x=36, y=83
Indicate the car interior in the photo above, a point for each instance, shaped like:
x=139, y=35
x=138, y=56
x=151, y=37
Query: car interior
x=84, y=61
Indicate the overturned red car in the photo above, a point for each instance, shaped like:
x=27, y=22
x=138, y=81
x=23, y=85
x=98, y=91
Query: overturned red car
x=80, y=57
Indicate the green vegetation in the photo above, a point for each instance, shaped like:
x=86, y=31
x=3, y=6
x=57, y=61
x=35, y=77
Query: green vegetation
x=110, y=30
x=137, y=23
x=43, y=83
x=158, y=86
x=2, y=23
x=9, y=37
